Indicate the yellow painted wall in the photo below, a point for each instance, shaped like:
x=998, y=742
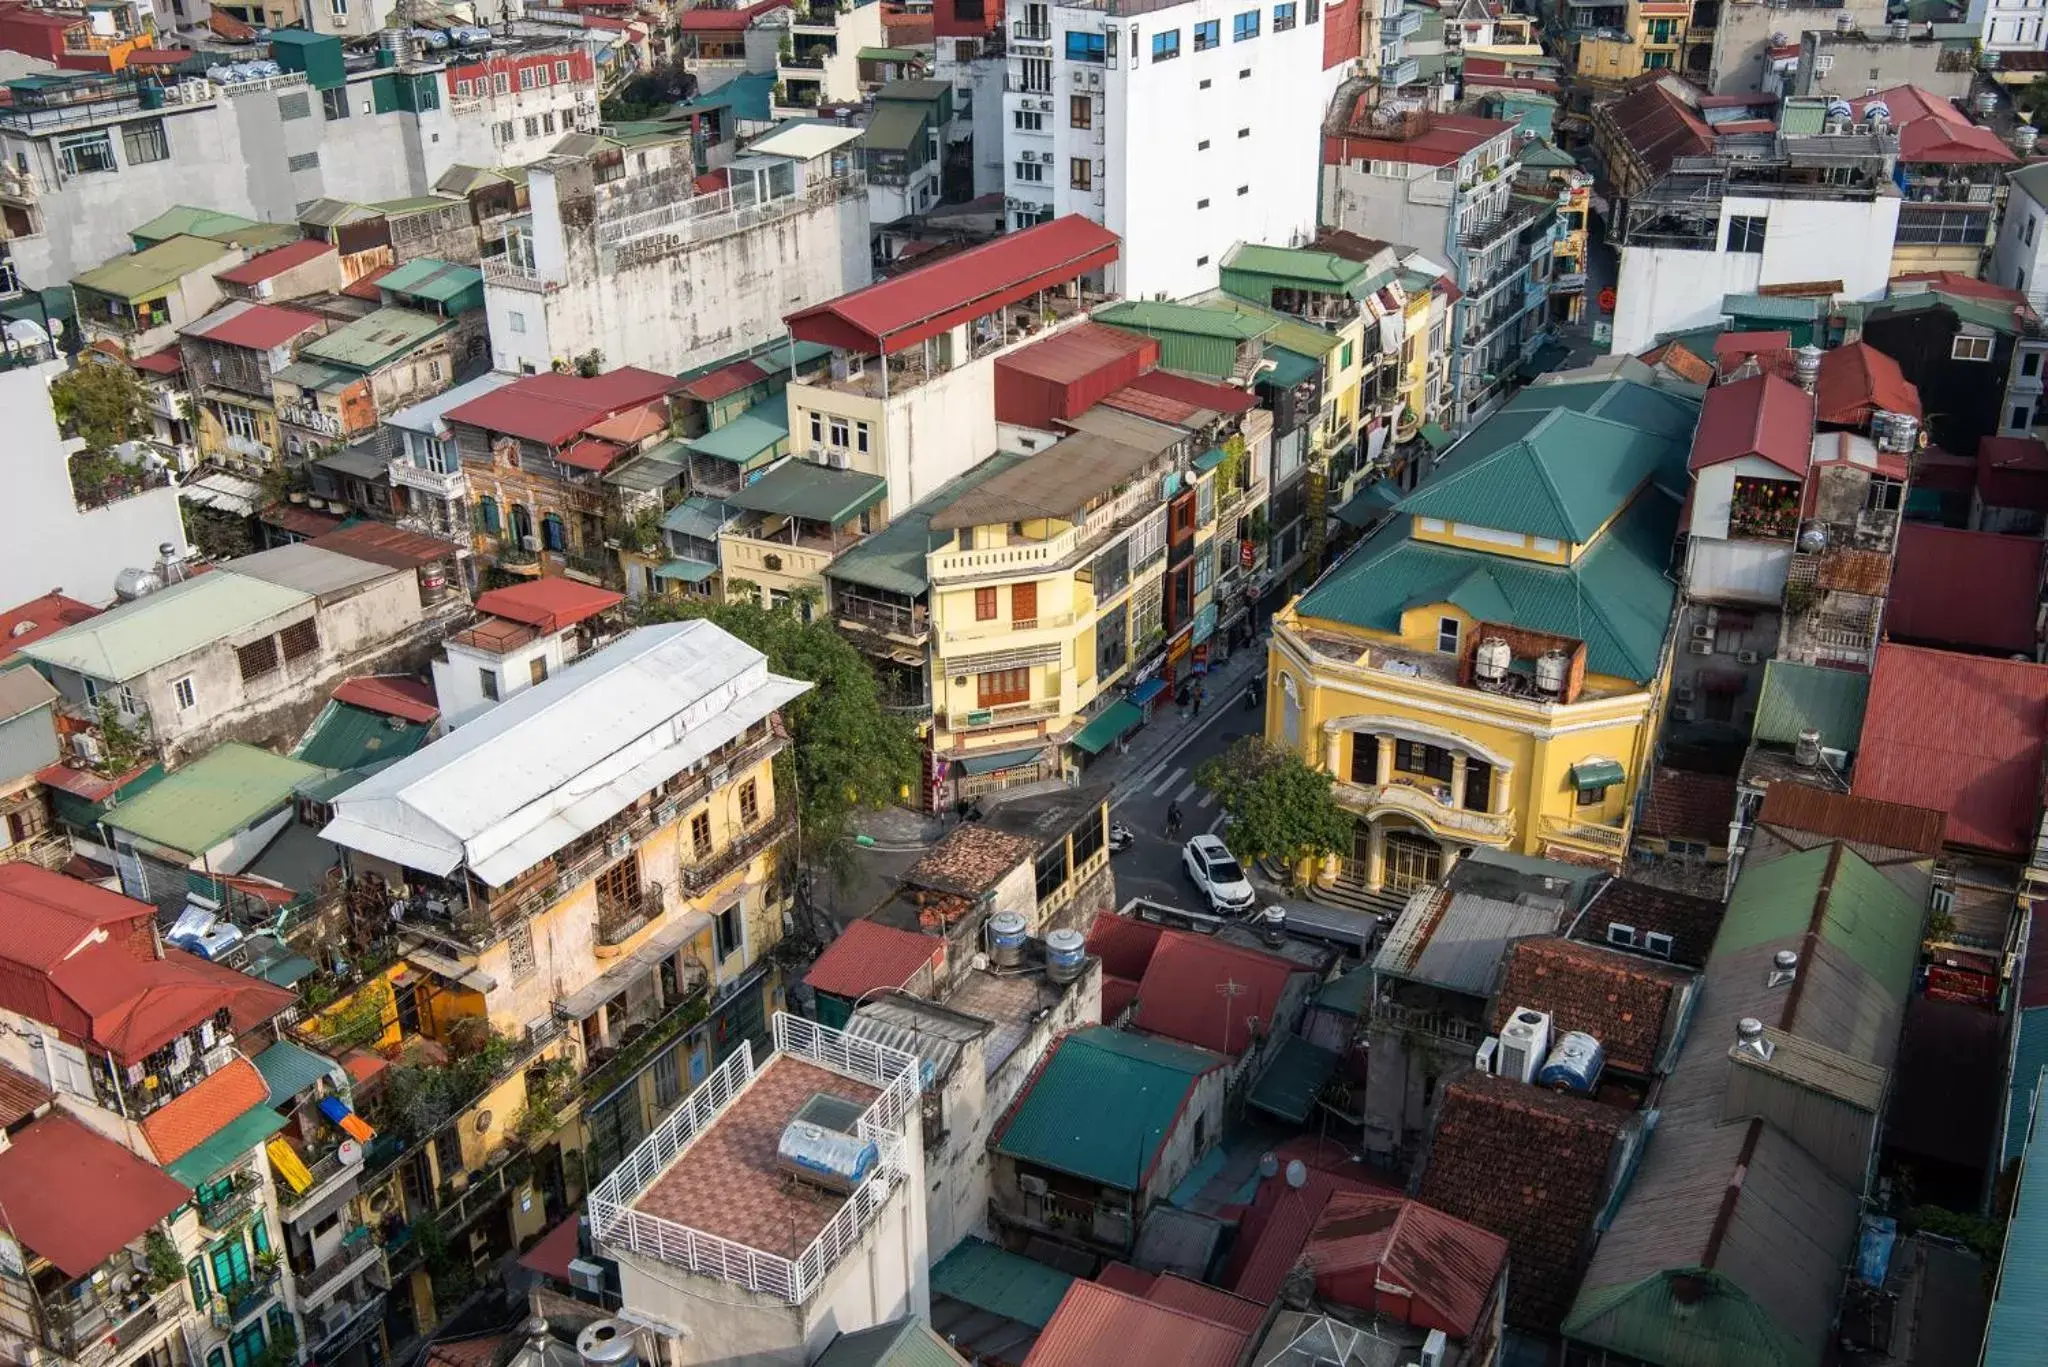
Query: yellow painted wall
x=1962, y=258
x=1492, y=541
x=213, y=436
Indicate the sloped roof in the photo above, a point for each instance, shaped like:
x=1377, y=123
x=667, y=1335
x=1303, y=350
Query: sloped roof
x=2019, y=1305
x=1931, y=129
x=1683, y=804
x=1178, y=997
x=549, y=604
x=1959, y=733
x=1102, y=1105
x=40, y=617
x=1690, y=921
x=907, y=1342
x=868, y=955
x=275, y=262
x=1096, y=1325
x=1799, y=696
x=1659, y=123
x=2003, y=575
x=1123, y=943
x=1765, y=416
x=1861, y=820
x=979, y=1274
x=201, y=804
x=46, y=917
x=1624, y=1001
x=258, y=327
x=1856, y=380
x=76, y=1197
x=551, y=409
x=131, y=638
x=195, y=1115
x=143, y=275
x=1447, y=1263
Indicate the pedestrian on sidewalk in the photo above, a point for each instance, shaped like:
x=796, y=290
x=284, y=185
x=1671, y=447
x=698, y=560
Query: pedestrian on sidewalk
x=1200, y=692
x=1172, y=819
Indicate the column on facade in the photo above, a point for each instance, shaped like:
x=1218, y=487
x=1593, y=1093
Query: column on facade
x=1497, y=795
x=1458, y=761
x=1375, y=856
x=1383, y=772
x=1333, y=752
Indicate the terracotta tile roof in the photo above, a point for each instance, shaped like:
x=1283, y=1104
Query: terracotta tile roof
x=1531, y=1166
x=1123, y=943
x=391, y=696
x=1853, y=571
x=1680, y=361
x=1961, y=733
x=1622, y=1000
x=549, y=604
x=1683, y=805
x=1691, y=922
x=970, y=860
x=228, y=27
x=1178, y=997
x=196, y=1115
x=552, y=1252
x=1096, y=1325
x=868, y=955
x=21, y=1096
x=76, y=1197
x=40, y=617
x=477, y=1350
x=2002, y=606
x=1860, y=820
x=632, y=426
x=1857, y=380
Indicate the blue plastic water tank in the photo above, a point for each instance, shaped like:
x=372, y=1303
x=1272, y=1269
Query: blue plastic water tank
x=1575, y=1062
x=827, y=1158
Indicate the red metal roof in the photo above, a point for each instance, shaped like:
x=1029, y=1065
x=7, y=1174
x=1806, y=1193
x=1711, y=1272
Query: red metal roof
x=76, y=1197
x=1843, y=816
x=2012, y=472
x=1763, y=416
x=920, y=304
x=1063, y=375
x=1179, y=995
x=274, y=262
x=1447, y=138
x=45, y=917
x=390, y=696
x=40, y=617
x=1686, y=805
x=257, y=326
x=1209, y=1302
x=1954, y=282
x=365, y=286
x=868, y=955
x=725, y=380
x=1959, y=733
x=1095, y=1325
x=552, y=409
x=552, y=1255
x=1857, y=380
x=1973, y=590
x=1449, y=1266
x=1223, y=398
x=1123, y=943
x=169, y=361
x=299, y=521
x=1931, y=129
x=159, y=56
x=196, y=1115
x=1117, y=993
x=1735, y=345
x=380, y=543
x=549, y=604
x=21, y=1096
x=703, y=20
x=591, y=454
x=229, y=27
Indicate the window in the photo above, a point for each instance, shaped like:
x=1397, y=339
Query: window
x=338, y=8
x=1245, y=26
x=1597, y=797
x=1208, y=35
x=750, y=803
x=2030, y=363
x=1080, y=111
x=1084, y=47
x=86, y=154
x=668, y=1078
x=1029, y=122
x=700, y=834
x=1314, y=10
x=1478, y=786
x=1344, y=357
x=526, y=75
x=1365, y=758
x=1283, y=18
x=1447, y=635
x=1968, y=348
x=731, y=931
x=1619, y=934
x=1244, y=132
x=1049, y=870
x=1206, y=83
x=1033, y=171
x=334, y=103
x=532, y=127
x=2022, y=416
x=2027, y=232
x=838, y=430
x=1000, y=686
x=1243, y=190
x=984, y=605
x=501, y=83
x=618, y=887
x=1430, y=761
x=144, y=142
x=487, y=514
x=1024, y=605
x=257, y=658
x=182, y=691
x=487, y=682
x=246, y=1347
x=1658, y=943
x=1202, y=146
x=540, y=75
x=537, y=672
x=298, y=639
x=1746, y=233
x=518, y=321
x=1166, y=46
x=561, y=71
x=1080, y=173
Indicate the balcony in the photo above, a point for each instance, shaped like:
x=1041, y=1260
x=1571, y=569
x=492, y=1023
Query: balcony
x=329, y=1174
x=345, y=1326
x=1431, y=807
x=101, y=1325
x=1608, y=840
x=702, y=877
x=1036, y=34
x=1017, y=633
x=356, y=1253
x=899, y=623
x=1404, y=72
x=238, y=1303
x=504, y=271
x=224, y=1214
x=450, y=485
x=1009, y=714
x=609, y=1069
x=1436, y=1025
x=617, y=922
x=815, y=18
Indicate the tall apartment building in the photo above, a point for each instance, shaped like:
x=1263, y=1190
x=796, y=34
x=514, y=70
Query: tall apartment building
x=819, y=59
x=634, y=249
x=1184, y=128
x=968, y=54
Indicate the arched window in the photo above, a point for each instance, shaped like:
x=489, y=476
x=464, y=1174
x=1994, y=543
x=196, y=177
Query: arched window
x=217, y=1358
x=487, y=514
x=553, y=534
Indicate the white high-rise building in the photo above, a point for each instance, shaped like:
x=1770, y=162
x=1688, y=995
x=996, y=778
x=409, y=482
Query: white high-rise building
x=1183, y=128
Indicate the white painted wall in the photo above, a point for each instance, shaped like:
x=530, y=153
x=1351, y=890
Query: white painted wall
x=458, y=677
x=1663, y=290
x=2010, y=25
x=2019, y=256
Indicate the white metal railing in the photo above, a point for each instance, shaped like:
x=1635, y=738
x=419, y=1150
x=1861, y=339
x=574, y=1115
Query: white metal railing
x=720, y=212
x=613, y=1221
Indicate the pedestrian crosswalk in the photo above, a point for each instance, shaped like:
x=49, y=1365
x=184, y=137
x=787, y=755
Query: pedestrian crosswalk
x=1169, y=781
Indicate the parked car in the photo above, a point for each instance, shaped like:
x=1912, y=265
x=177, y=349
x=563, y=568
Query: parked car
x=1217, y=873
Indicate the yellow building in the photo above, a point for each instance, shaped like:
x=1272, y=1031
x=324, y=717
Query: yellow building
x=1544, y=165
x=1488, y=669
x=1650, y=39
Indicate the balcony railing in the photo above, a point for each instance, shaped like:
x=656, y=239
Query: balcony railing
x=1025, y=32
x=1008, y=714
x=890, y=619
x=237, y=1303
x=327, y=1174
x=452, y=484
x=503, y=270
x=1607, y=839
x=358, y=1250
x=1439, y=1025
x=1436, y=811
x=702, y=877
x=617, y=921
x=96, y=1329
x=607, y=1073
x=223, y=1214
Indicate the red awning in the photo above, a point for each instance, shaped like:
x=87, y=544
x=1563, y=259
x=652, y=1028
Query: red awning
x=550, y=1257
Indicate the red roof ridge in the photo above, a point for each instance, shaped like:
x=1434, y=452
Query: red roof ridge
x=548, y=604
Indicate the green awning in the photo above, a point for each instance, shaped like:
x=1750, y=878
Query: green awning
x=1292, y=1082
x=1210, y=459
x=1437, y=438
x=687, y=571
x=1100, y=734
x=1000, y=760
x=885, y=54
x=1590, y=774
x=232, y=1144
x=289, y=1069
x=1290, y=368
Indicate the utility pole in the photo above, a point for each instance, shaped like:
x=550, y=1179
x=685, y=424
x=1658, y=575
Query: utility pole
x=1230, y=989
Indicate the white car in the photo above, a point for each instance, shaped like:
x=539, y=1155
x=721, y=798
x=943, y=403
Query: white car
x=1217, y=873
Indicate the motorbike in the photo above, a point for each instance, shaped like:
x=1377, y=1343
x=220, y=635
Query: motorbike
x=1121, y=837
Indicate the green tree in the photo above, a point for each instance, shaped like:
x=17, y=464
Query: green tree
x=1279, y=808
x=848, y=754
x=102, y=404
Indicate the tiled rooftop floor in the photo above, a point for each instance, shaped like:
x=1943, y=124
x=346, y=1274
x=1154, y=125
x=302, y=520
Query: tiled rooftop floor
x=728, y=1182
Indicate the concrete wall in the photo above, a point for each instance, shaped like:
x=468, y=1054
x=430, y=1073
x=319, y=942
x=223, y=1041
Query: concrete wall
x=1857, y=61
x=1744, y=32
x=1664, y=289
x=458, y=683
x=1414, y=209
x=28, y=742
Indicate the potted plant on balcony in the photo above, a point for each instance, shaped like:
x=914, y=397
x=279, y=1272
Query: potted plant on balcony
x=160, y=1256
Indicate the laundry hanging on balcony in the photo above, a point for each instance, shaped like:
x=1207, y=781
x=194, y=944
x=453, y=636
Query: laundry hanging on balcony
x=289, y=1165
x=337, y=1111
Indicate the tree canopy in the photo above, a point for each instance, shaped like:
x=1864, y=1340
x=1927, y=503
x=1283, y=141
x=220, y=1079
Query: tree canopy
x=848, y=754
x=103, y=405
x=1279, y=808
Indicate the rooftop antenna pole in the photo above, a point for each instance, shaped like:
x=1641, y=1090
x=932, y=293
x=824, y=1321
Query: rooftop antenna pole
x=1230, y=989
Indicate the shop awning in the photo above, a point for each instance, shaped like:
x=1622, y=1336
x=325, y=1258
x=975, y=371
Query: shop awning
x=1147, y=691
x=1435, y=436
x=231, y=1144
x=1589, y=774
x=1001, y=760
x=1100, y=734
x=687, y=571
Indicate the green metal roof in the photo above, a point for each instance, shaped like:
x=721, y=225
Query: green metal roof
x=651, y=469
x=1771, y=307
x=1103, y=1105
x=1150, y=315
x=347, y=737
x=218, y=795
x=151, y=272
x=896, y=126
x=176, y=620
x=1293, y=1080
x=315, y=375
x=1289, y=368
x=1292, y=333
x=2019, y=1303
x=1559, y=460
x=1797, y=696
x=289, y=1069
x=908, y=1342
x=188, y=220
x=885, y=54
x=431, y=278
x=2029, y=1057
x=816, y=493
x=893, y=559
x=1723, y=1327
x=1434, y=435
x=413, y=204
x=1370, y=504
x=686, y=571
x=1099, y=734
x=1867, y=917
x=377, y=339
x=916, y=89
x=234, y=1142
x=697, y=516
x=1297, y=266
x=1543, y=154
x=1000, y=1282
x=1347, y=994
x=750, y=437
x=1210, y=459
x=994, y=762
x=1615, y=597
x=1980, y=312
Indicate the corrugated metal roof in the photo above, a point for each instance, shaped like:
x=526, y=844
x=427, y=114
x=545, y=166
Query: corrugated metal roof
x=704, y=518
x=223, y=792
x=1097, y=1325
x=289, y=1069
x=258, y=327
x=1055, y=481
x=1298, y=266
x=931, y=1033
x=132, y=638
x=896, y=127
x=1102, y=1106
x=894, y=559
x=1998, y=613
x=900, y=1343
x=1293, y=1080
x=869, y=956
x=2029, y=1057
x=188, y=220
x=1179, y=996
x=1002, y=1283
x=425, y=416
x=310, y=569
x=76, y=1197
x=1147, y=315
x=378, y=338
x=345, y=737
x=816, y=493
x=1772, y=308
x=802, y=140
x=429, y=277
x=152, y=271
x=2019, y=1305
x=1796, y=697
x=748, y=437
x=1863, y=820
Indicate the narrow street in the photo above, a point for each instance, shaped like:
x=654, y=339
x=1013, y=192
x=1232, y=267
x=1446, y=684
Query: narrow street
x=1152, y=867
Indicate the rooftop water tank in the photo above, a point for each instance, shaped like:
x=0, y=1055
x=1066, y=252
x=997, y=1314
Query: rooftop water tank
x=1574, y=1064
x=820, y=1146
x=1066, y=954
x=1491, y=660
x=607, y=1343
x=1553, y=667
x=1006, y=936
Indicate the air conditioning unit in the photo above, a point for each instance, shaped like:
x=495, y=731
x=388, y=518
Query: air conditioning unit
x=665, y=813
x=586, y=1275
x=836, y=459
x=1031, y=1186
x=531, y=543
x=720, y=776
x=1435, y=1349
x=86, y=746
x=1747, y=657
x=1699, y=647
x=1045, y=106
x=1683, y=693
x=1682, y=712
x=621, y=846
x=1703, y=631
x=1524, y=1043
x=1489, y=1050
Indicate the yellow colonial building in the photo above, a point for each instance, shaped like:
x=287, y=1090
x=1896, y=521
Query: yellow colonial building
x=1650, y=39
x=1487, y=670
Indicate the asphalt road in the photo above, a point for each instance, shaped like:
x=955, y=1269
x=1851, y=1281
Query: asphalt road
x=1152, y=868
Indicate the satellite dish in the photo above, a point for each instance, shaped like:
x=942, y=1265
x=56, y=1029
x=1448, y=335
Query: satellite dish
x=1268, y=1165
x=351, y=1153
x=1297, y=1173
